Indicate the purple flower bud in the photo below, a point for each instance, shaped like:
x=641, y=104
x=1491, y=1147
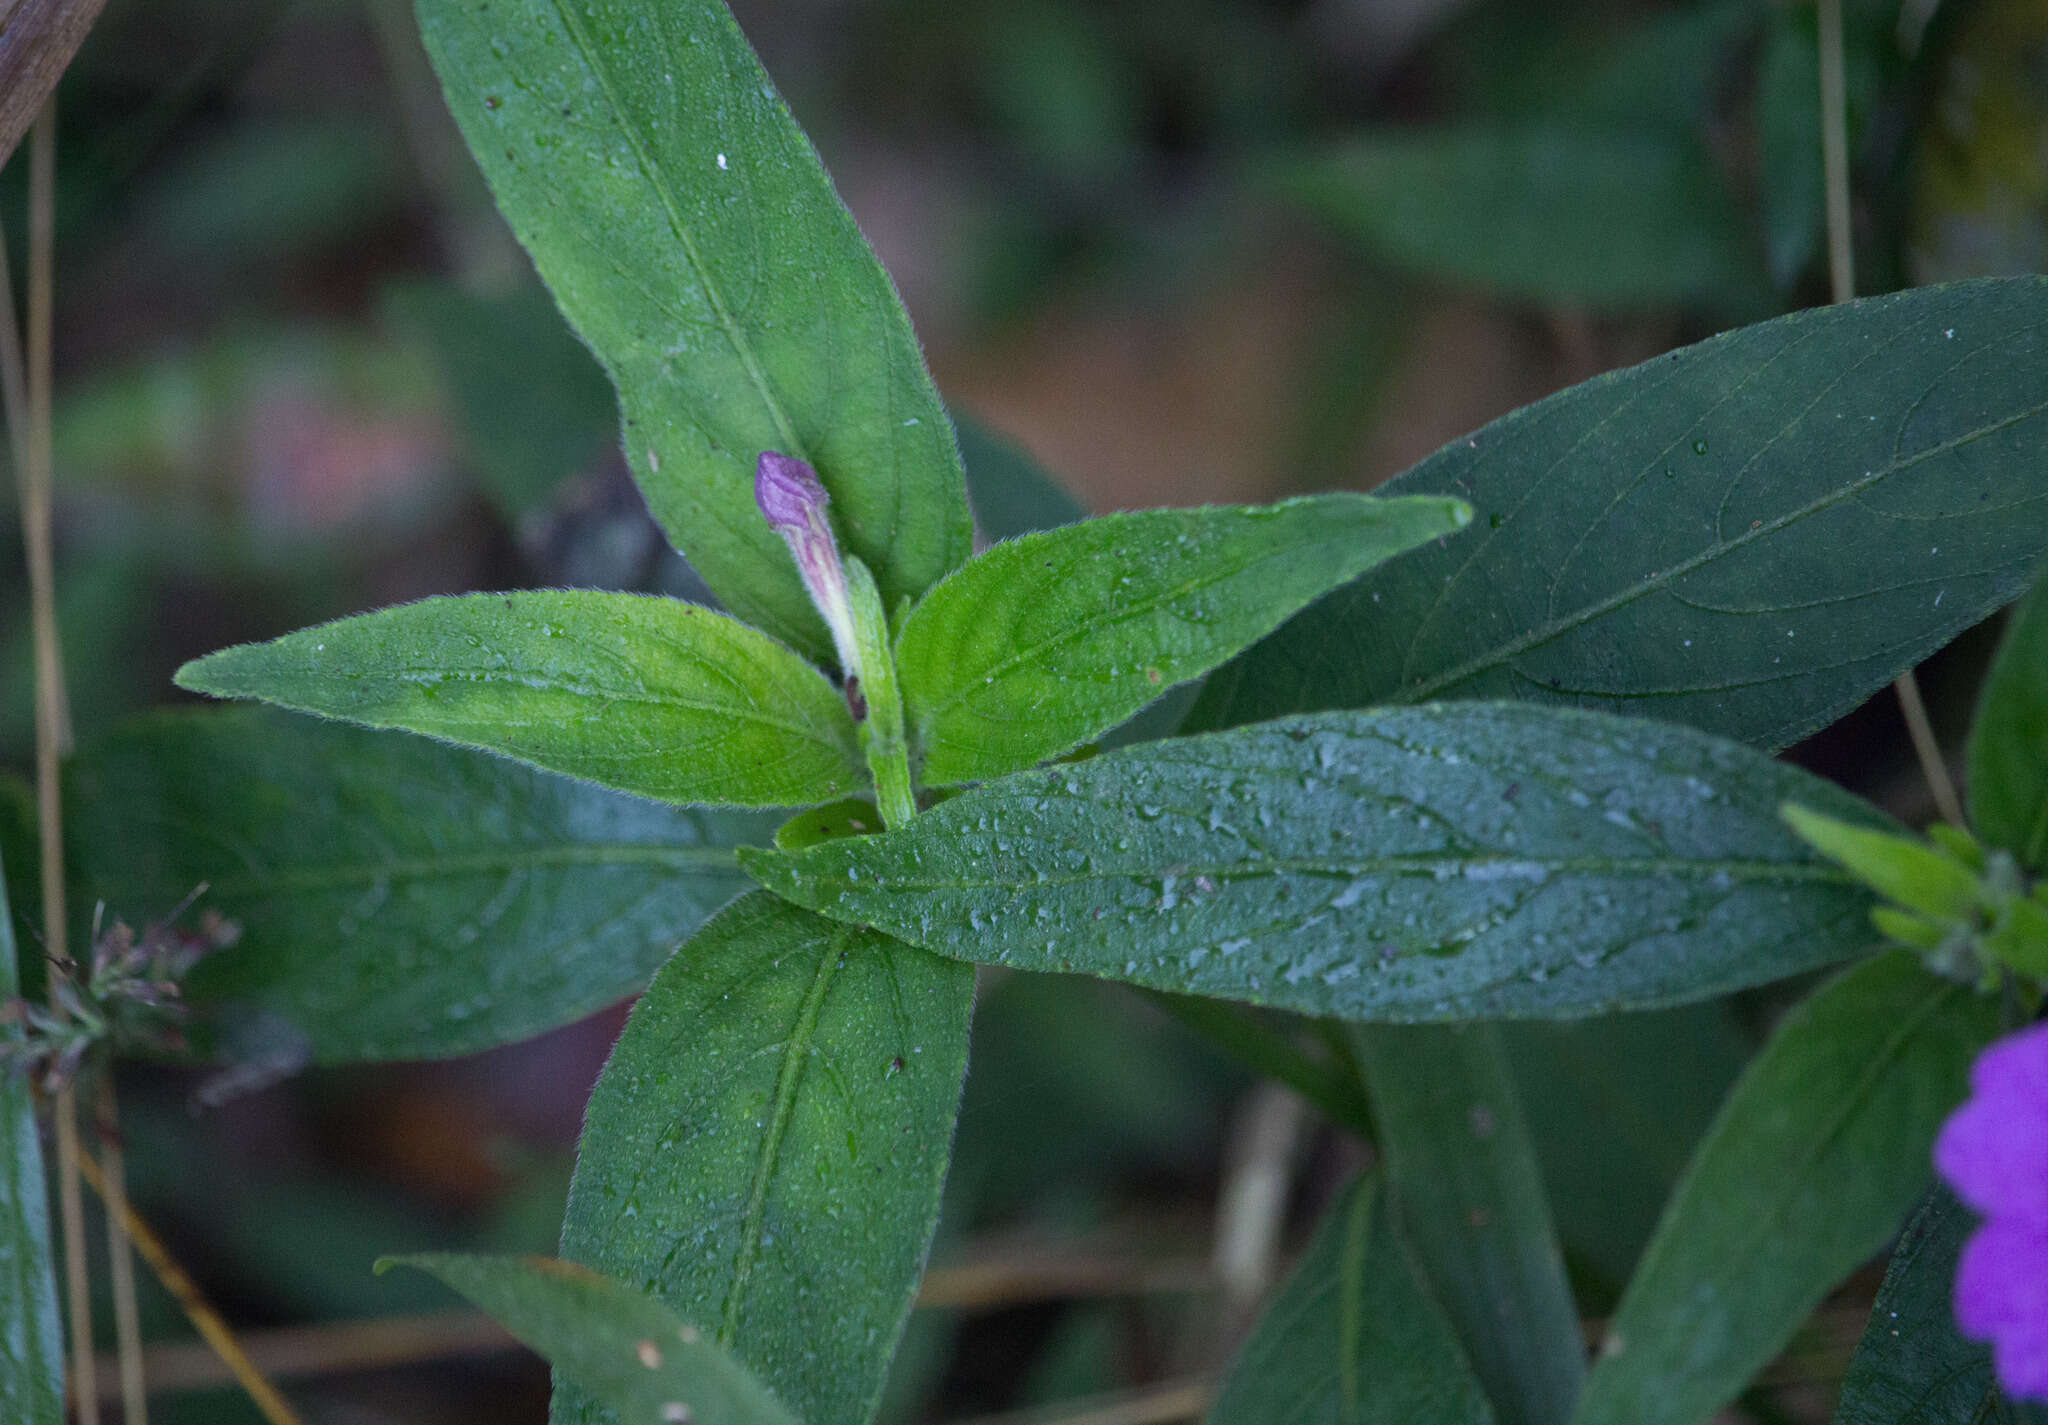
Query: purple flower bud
x=793, y=499
x=1994, y=1152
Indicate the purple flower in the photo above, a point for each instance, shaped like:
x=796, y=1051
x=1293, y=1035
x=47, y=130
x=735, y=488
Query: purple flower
x=1994, y=1152
x=794, y=501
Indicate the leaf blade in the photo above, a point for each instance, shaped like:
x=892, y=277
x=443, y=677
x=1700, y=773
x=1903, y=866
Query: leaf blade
x=32, y=1342
x=1912, y=1365
x=1414, y=864
x=2008, y=767
x=1463, y=1170
x=638, y=1357
x=1890, y=500
x=645, y=695
x=1819, y=1151
x=687, y=228
x=1050, y=639
x=780, y=1182
x=1353, y=1337
x=398, y=898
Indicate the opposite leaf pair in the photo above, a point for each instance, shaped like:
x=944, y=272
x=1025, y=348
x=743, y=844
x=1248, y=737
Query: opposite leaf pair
x=1021, y=654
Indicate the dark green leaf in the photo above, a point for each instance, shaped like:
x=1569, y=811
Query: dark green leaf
x=534, y=406
x=1596, y=215
x=1615, y=1107
x=31, y=1343
x=1046, y=641
x=397, y=898
x=1751, y=535
x=1464, y=1176
x=1353, y=1338
x=1818, y=1153
x=1011, y=493
x=692, y=237
x=2009, y=740
x=1912, y=1367
x=21, y=854
x=652, y=696
x=1450, y=862
x=629, y=1351
x=765, y=1149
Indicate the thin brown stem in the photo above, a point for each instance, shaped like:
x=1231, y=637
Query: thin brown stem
x=52, y=717
x=1834, y=144
x=120, y=1261
x=276, y=1409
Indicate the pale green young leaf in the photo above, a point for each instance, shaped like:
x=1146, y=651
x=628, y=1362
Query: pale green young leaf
x=1901, y=868
x=1353, y=1337
x=1818, y=1154
x=648, y=695
x=764, y=1151
x=1048, y=640
x=2009, y=739
x=1463, y=1175
x=634, y=1355
x=397, y=898
x=1751, y=535
x=694, y=241
x=1466, y=860
x=31, y=1342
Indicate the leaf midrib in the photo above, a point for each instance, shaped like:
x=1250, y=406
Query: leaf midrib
x=788, y=1078
x=1446, y=868
x=750, y=362
x=1558, y=627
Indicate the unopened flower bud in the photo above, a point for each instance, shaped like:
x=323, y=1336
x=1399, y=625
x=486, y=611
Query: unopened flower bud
x=794, y=501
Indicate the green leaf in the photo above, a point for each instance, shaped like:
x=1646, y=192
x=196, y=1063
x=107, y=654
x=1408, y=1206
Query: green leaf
x=398, y=899
x=648, y=695
x=1463, y=1170
x=765, y=1149
x=2009, y=739
x=534, y=407
x=1451, y=862
x=21, y=850
x=1751, y=535
x=690, y=234
x=1011, y=493
x=1353, y=1338
x=629, y=1351
x=1912, y=1367
x=1915, y=873
x=1818, y=1153
x=1048, y=640
x=31, y=1342
x=1607, y=216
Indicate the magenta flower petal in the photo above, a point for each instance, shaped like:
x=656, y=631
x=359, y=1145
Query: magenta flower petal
x=1994, y=1149
x=2002, y=1293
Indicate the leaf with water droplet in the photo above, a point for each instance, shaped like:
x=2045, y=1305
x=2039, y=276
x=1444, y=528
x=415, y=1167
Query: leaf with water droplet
x=641, y=1360
x=32, y=1345
x=735, y=316
x=724, y=1114
x=1044, y=642
x=648, y=695
x=1864, y=462
x=1480, y=875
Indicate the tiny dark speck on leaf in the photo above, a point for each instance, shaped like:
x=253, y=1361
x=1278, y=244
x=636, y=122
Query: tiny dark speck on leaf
x=1514, y=789
x=492, y=101
x=896, y=1065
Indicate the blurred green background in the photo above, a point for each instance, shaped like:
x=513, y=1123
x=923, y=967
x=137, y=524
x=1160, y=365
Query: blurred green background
x=1177, y=251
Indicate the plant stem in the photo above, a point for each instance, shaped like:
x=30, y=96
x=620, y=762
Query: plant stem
x=882, y=735
x=276, y=1409
x=1834, y=147
x=120, y=1262
x=28, y=402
